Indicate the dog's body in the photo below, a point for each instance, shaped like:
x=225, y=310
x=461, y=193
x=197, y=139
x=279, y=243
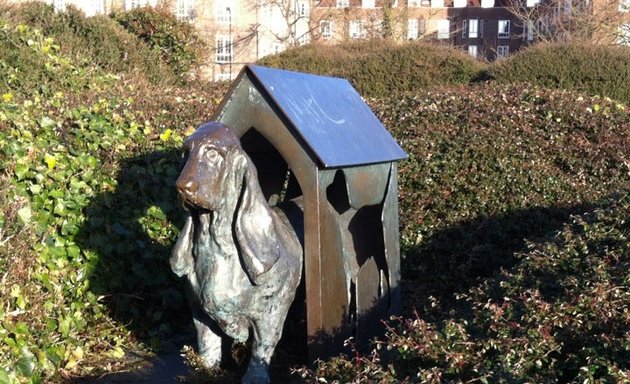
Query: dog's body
x=243, y=259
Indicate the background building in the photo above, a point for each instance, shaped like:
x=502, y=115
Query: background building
x=241, y=32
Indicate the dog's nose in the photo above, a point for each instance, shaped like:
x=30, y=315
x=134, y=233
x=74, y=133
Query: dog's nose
x=187, y=187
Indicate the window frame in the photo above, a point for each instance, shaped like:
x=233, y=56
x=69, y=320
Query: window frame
x=477, y=30
x=410, y=28
x=503, y=51
x=224, y=49
x=356, y=29
x=441, y=34
x=503, y=33
x=221, y=14
x=133, y=4
x=326, y=29
x=184, y=9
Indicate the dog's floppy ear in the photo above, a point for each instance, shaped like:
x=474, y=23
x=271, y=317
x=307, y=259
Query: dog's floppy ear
x=254, y=225
x=182, y=260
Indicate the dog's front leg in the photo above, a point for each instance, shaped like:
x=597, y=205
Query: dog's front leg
x=208, y=339
x=267, y=332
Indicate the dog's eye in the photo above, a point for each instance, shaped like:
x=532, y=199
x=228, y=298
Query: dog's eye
x=211, y=153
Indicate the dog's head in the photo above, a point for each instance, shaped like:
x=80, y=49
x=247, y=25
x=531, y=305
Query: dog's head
x=212, y=154
x=220, y=177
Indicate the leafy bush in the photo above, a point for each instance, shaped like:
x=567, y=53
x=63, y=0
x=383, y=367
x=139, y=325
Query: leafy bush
x=593, y=69
x=177, y=41
x=117, y=50
x=88, y=215
x=561, y=315
x=379, y=68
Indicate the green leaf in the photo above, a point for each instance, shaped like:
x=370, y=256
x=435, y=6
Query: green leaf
x=20, y=171
x=35, y=189
x=26, y=364
x=4, y=377
x=46, y=122
x=25, y=214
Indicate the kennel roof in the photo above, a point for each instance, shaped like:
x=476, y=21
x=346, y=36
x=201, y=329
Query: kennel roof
x=328, y=115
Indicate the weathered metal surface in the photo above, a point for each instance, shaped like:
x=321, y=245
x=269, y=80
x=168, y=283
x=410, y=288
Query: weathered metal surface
x=242, y=259
x=391, y=236
x=367, y=184
x=330, y=116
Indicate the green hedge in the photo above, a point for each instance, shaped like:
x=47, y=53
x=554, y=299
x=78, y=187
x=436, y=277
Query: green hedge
x=177, y=41
x=379, y=68
x=593, y=69
x=97, y=40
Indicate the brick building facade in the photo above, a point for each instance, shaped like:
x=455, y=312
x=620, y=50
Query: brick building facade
x=242, y=31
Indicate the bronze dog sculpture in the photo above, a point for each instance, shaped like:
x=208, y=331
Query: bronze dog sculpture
x=242, y=258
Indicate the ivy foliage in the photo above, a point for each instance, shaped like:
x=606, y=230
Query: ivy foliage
x=514, y=213
x=89, y=213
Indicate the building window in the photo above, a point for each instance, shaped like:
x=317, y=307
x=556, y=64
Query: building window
x=224, y=49
x=367, y=3
x=504, y=29
x=472, y=50
x=503, y=51
x=184, y=9
x=624, y=35
x=342, y=3
x=443, y=29
x=224, y=12
x=325, y=29
x=131, y=4
x=304, y=39
x=437, y=3
x=412, y=29
x=95, y=7
x=471, y=28
x=303, y=11
x=355, y=29
x=225, y=76
x=59, y=5
x=529, y=31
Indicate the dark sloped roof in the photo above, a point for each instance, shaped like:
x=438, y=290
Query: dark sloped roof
x=329, y=115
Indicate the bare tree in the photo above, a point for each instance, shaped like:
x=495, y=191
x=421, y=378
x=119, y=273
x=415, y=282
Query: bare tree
x=285, y=22
x=570, y=20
